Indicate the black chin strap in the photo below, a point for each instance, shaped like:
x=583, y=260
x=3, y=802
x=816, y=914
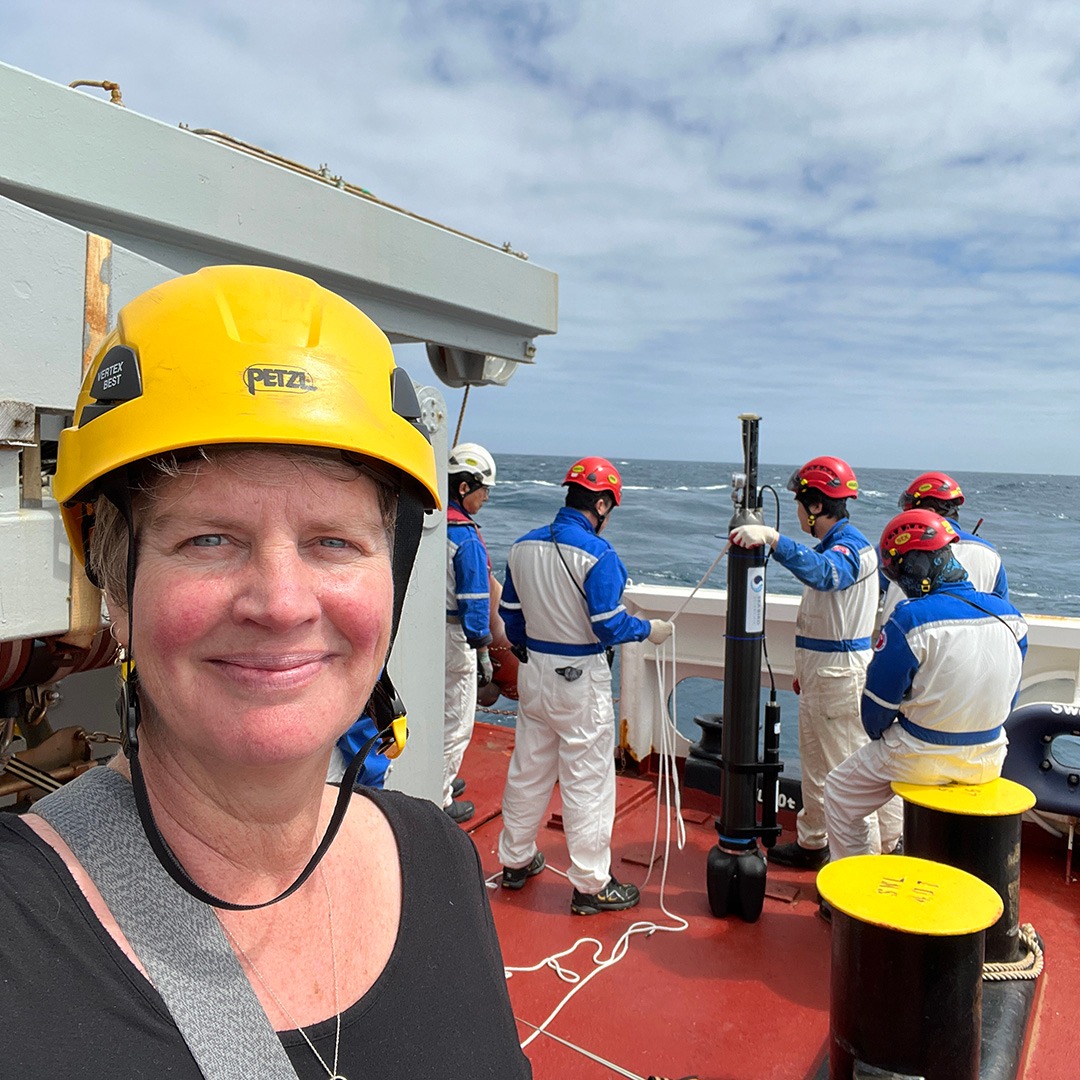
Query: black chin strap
x=601, y=519
x=384, y=706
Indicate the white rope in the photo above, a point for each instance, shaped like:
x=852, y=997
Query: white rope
x=1029, y=966
x=667, y=778
x=705, y=577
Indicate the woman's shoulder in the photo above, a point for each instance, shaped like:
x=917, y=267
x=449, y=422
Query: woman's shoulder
x=428, y=842
x=22, y=851
x=415, y=816
x=14, y=849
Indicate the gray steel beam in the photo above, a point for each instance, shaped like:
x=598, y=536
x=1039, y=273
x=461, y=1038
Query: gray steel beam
x=185, y=201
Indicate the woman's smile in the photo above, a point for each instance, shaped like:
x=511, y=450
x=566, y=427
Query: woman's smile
x=260, y=673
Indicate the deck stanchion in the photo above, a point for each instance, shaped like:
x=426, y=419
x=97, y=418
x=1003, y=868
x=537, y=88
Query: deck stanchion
x=907, y=956
x=975, y=827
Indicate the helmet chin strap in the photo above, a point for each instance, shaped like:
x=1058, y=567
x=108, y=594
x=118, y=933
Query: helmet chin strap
x=385, y=707
x=601, y=519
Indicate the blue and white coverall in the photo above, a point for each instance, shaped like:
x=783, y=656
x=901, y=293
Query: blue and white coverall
x=563, y=600
x=976, y=555
x=944, y=677
x=832, y=650
x=468, y=628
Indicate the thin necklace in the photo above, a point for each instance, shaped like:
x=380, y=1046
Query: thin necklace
x=333, y=1073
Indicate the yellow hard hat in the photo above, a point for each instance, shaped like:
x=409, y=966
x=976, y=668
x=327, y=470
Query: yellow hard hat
x=239, y=354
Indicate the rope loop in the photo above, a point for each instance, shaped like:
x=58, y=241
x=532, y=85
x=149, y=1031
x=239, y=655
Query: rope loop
x=1029, y=966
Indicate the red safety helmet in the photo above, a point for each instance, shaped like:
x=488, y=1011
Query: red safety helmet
x=913, y=530
x=832, y=476
x=596, y=474
x=931, y=485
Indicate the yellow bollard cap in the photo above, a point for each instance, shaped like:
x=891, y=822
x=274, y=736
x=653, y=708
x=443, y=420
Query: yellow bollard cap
x=910, y=895
x=999, y=798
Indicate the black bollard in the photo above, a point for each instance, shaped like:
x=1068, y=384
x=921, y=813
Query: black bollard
x=975, y=827
x=907, y=958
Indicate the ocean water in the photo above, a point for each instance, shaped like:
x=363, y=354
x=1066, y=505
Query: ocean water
x=674, y=518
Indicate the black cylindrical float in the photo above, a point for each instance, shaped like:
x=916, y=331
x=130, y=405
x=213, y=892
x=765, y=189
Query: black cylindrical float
x=742, y=659
x=975, y=827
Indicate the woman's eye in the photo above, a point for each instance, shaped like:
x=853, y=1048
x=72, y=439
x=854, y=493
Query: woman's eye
x=207, y=540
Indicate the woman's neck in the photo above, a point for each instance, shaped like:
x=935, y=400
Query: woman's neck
x=244, y=835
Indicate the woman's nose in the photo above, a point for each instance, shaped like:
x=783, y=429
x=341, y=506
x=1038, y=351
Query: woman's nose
x=279, y=589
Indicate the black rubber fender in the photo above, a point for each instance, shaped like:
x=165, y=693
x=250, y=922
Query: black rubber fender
x=1031, y=730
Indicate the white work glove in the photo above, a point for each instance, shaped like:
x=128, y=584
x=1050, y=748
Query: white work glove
x=660, y=630
x=485, y=671
x=749, y=536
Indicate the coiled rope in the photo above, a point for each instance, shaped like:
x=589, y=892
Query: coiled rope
x=1028, y=966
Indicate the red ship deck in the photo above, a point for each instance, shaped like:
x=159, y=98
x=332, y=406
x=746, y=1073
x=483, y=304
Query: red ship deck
x=724, y=999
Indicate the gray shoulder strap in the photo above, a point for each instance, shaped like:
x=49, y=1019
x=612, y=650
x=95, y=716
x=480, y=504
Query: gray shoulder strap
x=178, y=939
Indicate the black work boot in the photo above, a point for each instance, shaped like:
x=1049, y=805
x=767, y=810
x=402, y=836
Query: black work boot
x=460, y=810
x=515, y=879
x=614, y=896
x=799, y=857
x=457, y=786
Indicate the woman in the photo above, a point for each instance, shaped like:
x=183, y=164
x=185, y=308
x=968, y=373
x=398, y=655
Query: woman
x=248, y=430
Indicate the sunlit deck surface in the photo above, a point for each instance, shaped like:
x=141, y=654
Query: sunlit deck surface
x=723, y=1000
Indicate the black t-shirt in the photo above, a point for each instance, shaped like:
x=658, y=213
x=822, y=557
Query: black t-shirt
x=73, y=1005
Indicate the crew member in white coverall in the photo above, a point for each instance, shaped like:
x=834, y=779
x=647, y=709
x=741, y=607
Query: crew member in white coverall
x=470, y=477
x=833, y=638
x=562, y=601
x=944, y=677
x=939, y=492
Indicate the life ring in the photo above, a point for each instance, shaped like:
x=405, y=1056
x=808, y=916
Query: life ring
x=1030, y=760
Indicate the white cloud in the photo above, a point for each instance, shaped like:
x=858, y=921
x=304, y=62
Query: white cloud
x=856, y=218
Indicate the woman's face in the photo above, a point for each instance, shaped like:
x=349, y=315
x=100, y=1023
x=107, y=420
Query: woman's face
x=262, y=607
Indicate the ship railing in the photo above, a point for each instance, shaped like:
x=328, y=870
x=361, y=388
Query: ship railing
x=1051, y=669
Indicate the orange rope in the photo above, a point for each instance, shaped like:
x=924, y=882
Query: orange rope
x=112, y=87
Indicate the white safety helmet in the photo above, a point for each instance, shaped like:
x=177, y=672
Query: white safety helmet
x=472, y=459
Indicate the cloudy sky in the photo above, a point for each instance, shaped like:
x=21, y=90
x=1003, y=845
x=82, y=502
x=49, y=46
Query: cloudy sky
x=858, y=219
